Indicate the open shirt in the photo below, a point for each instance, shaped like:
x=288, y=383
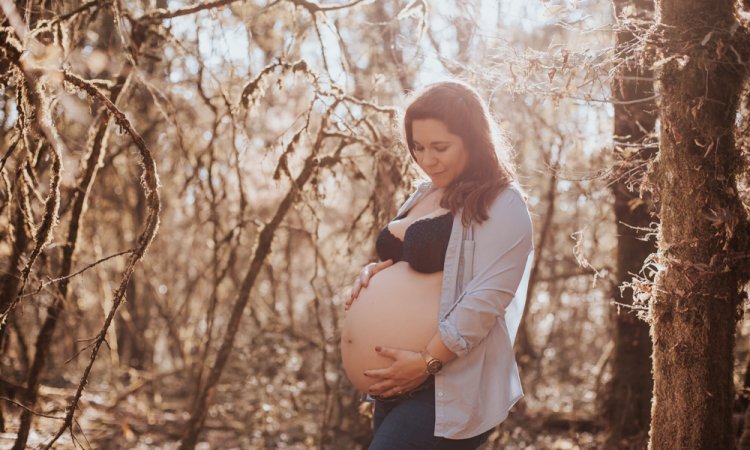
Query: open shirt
x=485, y=278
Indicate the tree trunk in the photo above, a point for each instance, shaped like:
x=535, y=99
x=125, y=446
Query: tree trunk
x=627, y=407
x=744, y=439
x=744, y=443
x=703, y=237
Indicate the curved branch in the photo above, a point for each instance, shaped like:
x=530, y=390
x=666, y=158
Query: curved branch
x=31, y=85
x=314, y=7
x=150, y=185
x=163, y=14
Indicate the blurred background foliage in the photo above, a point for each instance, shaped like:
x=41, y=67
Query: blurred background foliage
x=236, y=99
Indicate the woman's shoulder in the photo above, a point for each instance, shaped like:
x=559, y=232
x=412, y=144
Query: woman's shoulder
x=511, y=196
x=509, y=212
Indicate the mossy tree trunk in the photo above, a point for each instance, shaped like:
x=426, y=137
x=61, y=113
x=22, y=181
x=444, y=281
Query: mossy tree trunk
x=701, y=262
x=628, y=398
x=744, y=440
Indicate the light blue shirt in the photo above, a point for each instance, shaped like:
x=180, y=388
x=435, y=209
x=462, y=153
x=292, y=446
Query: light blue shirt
x=485, y=278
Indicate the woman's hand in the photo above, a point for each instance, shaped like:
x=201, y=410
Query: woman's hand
x=408, y=371
x=364, y=279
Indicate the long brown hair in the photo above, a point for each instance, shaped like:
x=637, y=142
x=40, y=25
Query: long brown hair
x=465, y=114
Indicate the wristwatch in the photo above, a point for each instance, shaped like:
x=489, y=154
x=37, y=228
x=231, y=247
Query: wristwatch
x=434, y=365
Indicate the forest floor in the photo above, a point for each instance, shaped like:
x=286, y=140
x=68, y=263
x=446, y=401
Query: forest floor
x=127, y=419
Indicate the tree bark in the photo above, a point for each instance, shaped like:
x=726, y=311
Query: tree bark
x=744, y=439
x=627, y=405
x=744, y=443
x=703, y=238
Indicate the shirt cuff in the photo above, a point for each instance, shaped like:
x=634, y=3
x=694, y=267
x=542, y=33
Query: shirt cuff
x=452, y=339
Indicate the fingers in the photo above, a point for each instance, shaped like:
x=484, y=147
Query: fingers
x=386, y=371
x=384, y=389
x=363, y=279
x=389, y=389
x=373, y=268
x=394, y=391
x=384, y=264
x=377, y=373
x=366, y=274
x=378, y=267
x=354, y=294
x=388, y=352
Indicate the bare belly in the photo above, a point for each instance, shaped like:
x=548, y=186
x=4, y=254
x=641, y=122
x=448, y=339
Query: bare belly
x=398, y=309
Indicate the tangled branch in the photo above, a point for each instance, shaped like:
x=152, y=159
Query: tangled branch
x=150, y=186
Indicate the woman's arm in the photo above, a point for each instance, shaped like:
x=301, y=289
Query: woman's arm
x=437, y=349
x=503, y=245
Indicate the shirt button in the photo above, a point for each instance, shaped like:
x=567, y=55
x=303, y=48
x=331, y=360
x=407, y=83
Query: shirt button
x=440, y=394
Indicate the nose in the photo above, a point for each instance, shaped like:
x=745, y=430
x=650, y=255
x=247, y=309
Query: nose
x=428, y=158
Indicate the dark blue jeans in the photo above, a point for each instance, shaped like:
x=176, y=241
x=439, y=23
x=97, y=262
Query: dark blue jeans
x=409, y=423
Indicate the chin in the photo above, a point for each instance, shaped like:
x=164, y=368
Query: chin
x=439, y=183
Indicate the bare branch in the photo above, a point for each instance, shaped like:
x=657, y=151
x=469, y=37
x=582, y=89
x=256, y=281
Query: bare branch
x=150, y=186
x=32, y=89
x=83, y=8
x=163, y=14
x=36, y=413
x=67, y=277
x=314, y=7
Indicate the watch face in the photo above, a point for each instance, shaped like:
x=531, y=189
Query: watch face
x=434, y=366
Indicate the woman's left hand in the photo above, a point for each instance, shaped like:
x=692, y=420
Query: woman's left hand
x=408, y=371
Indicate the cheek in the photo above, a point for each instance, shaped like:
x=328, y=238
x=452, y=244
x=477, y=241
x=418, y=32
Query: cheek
x=460, y=161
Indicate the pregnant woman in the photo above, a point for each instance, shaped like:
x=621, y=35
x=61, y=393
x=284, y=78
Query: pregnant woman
x=429, y=329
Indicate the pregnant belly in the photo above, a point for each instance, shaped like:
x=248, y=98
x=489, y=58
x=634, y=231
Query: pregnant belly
x=398, y=309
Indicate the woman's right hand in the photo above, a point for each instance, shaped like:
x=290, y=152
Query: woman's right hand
x=364, y=279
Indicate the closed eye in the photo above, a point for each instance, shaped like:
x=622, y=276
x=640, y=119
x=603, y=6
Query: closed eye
x=419, y=148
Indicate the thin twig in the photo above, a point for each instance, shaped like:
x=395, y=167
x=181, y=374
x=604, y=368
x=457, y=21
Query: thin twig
x=36, y=413
x=55, y=280
x=82, y=8
x=314, y=7
x=163, y=14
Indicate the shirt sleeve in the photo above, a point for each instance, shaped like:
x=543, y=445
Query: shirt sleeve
x=502, y=262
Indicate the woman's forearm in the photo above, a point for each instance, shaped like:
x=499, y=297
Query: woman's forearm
x=437, y=349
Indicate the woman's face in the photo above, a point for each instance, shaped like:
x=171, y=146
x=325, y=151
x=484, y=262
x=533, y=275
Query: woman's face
x=441, y=154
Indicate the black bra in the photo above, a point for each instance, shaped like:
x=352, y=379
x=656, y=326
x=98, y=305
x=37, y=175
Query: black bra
x=424, y=245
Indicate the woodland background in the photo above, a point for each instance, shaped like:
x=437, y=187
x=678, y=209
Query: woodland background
x=188, y=190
